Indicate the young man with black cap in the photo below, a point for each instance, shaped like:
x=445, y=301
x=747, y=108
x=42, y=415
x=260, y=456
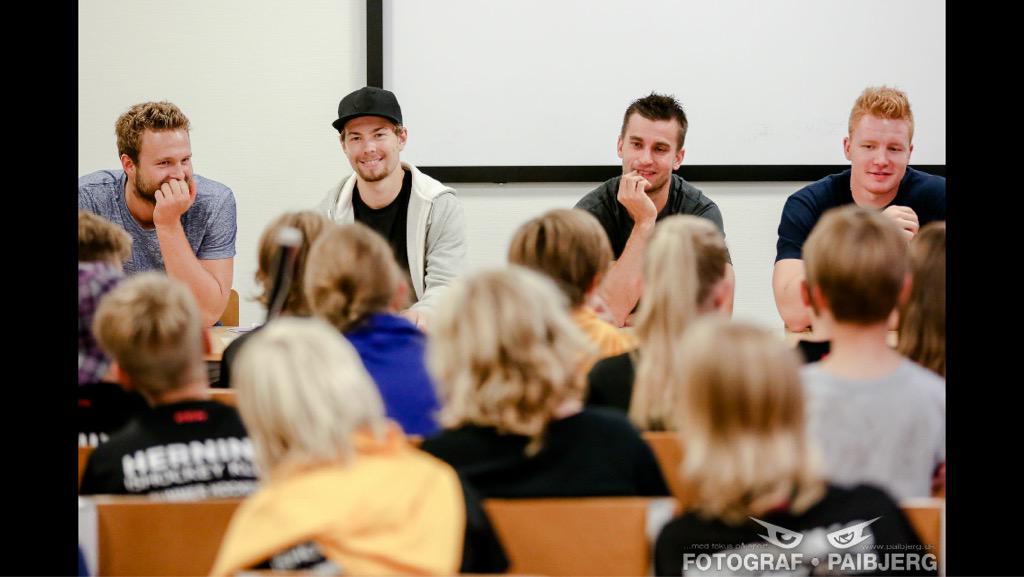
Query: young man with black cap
x=421, y=218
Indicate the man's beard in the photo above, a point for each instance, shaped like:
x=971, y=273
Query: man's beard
x=374, y=177
x=144, y=191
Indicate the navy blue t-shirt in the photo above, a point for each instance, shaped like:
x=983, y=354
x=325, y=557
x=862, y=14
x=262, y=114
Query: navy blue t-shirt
x=924, y=193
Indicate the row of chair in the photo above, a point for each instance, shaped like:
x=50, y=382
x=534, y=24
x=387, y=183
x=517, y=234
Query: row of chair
x=566, y=536
x=583, y=536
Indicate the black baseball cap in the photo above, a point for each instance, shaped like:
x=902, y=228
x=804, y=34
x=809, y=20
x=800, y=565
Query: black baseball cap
x=368, y=101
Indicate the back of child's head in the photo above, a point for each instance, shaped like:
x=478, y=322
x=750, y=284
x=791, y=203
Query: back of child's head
x=101, y=240
x=685, y=260
x=151, y=326
x=310, y=225
x=740, y=413
x=304, y=393
x=568, y=245
x=505, y=351
x=923, y=317
x=350, y=275
x=857, y=258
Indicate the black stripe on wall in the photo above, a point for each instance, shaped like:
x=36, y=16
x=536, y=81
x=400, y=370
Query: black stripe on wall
x=375, y=43
x=694, y=173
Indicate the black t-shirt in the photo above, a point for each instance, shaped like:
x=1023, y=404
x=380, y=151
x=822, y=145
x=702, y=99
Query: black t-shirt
x=683, y=198
x=186, y=450
x=103, y=408
x=610, y=382
x=691, y=544
x=389, y=221
x=596, y=452
x=924, y=193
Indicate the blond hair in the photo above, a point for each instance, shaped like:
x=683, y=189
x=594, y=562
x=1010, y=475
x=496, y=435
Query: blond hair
x=740, y=411
x=505, y=352
x=857, y=257
x=567, y=244
x=882, y=102
x=351, y=274
x=310, y=224
x=303, y=393
x=101, y=240
x=157, y=116
x=150, y=324
x=685, y=260
x=923, y=317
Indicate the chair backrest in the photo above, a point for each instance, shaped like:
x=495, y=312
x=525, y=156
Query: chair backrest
x=668, y=449
x=225, y=396
x=928, y=517
x=83, y=459
x=230, y=316
x=574, y=536
x=137, y=536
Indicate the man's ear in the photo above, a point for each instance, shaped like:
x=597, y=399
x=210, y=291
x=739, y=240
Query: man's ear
x=846, y=147
x=127, y=164
x=679, y=159
x=403, y=136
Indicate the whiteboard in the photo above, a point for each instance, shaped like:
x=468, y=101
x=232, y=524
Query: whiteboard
x=545, y=82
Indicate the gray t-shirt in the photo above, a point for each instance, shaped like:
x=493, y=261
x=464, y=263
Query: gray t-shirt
x=210, y=223
x=683, y=198
x=889, y=432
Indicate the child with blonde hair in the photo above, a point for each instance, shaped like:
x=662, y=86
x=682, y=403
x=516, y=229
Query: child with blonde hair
x=508, y=357
x=752, y=472
x=570, y=247
x=684, y=278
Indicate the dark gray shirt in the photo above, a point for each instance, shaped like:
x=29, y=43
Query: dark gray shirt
x=683, y=198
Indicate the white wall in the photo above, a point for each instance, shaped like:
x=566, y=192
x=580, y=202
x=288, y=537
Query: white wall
x=261, y=80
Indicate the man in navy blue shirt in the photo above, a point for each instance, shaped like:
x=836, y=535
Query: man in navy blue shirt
x=881, y=130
